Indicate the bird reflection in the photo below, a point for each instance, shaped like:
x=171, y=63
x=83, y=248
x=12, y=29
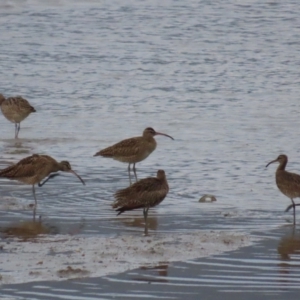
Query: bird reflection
x=139, y=222
x=160, y=270
x=28, y=230
x=289, y=245
x=17, y=147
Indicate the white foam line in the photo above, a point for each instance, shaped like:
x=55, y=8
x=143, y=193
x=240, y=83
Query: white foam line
x=43, y=258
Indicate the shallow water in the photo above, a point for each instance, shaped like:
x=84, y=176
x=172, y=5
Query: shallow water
x=221, y=78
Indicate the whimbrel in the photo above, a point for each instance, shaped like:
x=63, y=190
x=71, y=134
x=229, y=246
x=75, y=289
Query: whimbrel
x=287, y=182
x=33, y=169
x=145, y=193
x=15, y=109
x=133, y=150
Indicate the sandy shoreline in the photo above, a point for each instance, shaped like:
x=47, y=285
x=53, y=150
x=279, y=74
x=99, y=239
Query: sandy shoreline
x=59, y=257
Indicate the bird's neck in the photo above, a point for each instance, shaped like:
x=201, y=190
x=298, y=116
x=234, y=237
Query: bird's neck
x=57, y=167
x=149, y=138
x=162, y=177
x=163, y=181
x=282, y=166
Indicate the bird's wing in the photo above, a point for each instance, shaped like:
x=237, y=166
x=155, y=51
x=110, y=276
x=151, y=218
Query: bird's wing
x=139, y=193
x=47, y=158
x=24, y=168
x=288, y=181
x=20, y=103
x=143, y=185
x=128, y=147
x=294, y=178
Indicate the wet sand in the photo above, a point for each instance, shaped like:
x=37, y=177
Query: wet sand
x=267, y=269
x=63, y=256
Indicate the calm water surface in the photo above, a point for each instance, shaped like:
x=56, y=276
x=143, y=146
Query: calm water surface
x=222, y=78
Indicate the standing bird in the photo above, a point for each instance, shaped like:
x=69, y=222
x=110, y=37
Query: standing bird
x=145, y=193
x=15, y=110
x=33, y=169
x=133, y=150
x=287, y=182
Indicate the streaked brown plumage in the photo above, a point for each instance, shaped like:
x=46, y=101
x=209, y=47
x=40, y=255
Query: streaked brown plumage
x=145, y=193
x=133, y=150
x=33, y=169
x=287, y=182
x=15, y=109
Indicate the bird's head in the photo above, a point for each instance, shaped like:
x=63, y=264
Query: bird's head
x=150, y=131
x=66, y=167
x=161, y=174
x=282, y=159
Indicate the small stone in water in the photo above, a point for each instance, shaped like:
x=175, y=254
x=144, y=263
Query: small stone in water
x=208, y=198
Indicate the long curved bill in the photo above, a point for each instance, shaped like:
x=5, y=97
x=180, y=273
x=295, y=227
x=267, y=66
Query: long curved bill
x=73, y=172
x=159, y=133
x=275, y=160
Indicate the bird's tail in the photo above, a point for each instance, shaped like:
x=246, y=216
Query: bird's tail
x=127, y=208
x=7, y=172
x=104, y=153
x=120, y=210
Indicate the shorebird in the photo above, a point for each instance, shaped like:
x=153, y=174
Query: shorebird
x=133, y=150
x=145, y=193
x=287, y=182
x=33, y=169
x=15, y=110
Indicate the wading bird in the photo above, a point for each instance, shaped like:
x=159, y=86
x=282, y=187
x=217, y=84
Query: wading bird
x=33, y=169
x=287, y=182
x=145, y=193
x=15, y=110
x=133, y=150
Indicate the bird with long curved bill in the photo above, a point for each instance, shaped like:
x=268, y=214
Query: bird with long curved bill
x=133, y=150
x=33, y=169
x=15, y=110
x=145, y=193
x=287, y=182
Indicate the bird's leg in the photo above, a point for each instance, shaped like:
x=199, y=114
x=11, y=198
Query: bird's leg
x=16, y=130
x=35, y=202
x=290, y=206
x=145, y=213
x=19, y=127
x=49, y=177
x=294, y=209
x=129, y=174
x=134, y=171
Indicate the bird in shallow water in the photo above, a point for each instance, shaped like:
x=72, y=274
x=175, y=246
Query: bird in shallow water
x=287, y=182
x=33, y=169
x=15, y=110
x=133, y=150
x=145, y=193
